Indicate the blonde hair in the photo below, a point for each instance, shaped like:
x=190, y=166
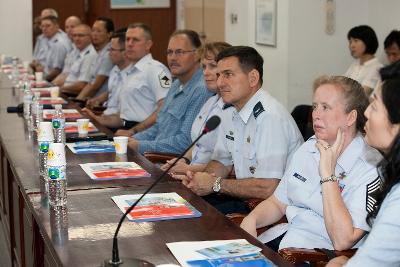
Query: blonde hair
x=212, y=48
x=353, y=94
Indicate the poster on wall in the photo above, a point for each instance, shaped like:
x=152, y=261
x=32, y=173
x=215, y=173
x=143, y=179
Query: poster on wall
x=266, y=22
x=119, y=4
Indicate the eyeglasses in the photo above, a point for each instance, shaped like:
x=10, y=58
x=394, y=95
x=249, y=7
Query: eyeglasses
x=79, y=35
x=178, y=52
x=113, y=49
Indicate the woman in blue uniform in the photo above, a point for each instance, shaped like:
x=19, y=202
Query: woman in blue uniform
x=382, y=245
x=325, y=209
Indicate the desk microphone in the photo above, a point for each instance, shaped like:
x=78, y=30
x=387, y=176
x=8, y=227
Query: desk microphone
x=211, y=124
x=17, y=109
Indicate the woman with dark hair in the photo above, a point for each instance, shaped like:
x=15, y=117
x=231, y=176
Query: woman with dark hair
x=382, y=246
x=363, y=44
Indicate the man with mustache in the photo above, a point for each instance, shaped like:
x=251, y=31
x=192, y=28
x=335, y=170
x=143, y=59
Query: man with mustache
x=188, y=93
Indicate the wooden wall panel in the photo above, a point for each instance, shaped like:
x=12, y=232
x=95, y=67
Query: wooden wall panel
x=161, y=20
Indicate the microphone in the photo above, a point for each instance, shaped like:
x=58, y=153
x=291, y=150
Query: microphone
x=17, y=109
x=211, y=125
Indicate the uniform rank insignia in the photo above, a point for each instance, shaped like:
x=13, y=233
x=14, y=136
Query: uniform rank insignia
x=164, y=80
x=230, y=137
x=258, y=109
x=227, y=106
x=252, y=169
x=372, y=189
x=298, y=176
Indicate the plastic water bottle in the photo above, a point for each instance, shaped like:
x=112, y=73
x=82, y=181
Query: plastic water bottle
x=57, y=175
x=58, y=122
x=43, y=150
x=27, y=101
x=57, y=185
x=59, y=224
x=36, y=111
x=15, y=72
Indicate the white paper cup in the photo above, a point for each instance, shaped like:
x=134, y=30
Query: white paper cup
x=121, y=144
x=56, y=155
x=45, y=131
x=39, y=76
x=25, y=64
x=54, y=91
x=83, y=126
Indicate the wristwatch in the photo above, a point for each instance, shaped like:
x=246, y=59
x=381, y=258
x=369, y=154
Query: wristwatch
x=217, y=185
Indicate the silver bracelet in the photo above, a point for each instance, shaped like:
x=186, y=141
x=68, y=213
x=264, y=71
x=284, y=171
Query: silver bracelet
x=331, y=178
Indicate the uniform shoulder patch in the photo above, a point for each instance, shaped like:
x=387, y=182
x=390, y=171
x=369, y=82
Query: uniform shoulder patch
x=227, y=106
x=164, y=80
x=372, y=189
x=258, y=109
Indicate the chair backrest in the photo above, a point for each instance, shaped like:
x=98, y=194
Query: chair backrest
x=302, y=116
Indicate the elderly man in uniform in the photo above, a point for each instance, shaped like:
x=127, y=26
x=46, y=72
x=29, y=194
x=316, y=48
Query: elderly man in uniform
x=39, y=44
x=70, y=23
x=171, y=131
x=257, y=139
x=56, y=47
x=102, y=31
x=145, y=84
x=79, y=74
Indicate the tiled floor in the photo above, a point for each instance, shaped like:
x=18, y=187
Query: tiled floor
x=4, y=253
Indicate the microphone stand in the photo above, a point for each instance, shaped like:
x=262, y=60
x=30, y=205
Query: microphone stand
x=116, y=261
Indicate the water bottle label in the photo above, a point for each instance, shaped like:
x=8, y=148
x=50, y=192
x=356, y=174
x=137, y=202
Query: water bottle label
x=44, y=147
x=58, y=124
x=56, y=173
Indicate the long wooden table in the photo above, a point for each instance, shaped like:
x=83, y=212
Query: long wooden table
x=38, y=236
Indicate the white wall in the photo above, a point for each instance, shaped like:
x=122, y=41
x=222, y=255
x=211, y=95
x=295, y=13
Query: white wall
x=312, y=52
x=383, y=18
x=16, y=28
x=304, y=51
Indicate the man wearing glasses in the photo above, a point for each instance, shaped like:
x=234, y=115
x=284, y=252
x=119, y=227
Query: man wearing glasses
x=171, y=131
x=102, y=31
x=79, y=73
x=145, y=83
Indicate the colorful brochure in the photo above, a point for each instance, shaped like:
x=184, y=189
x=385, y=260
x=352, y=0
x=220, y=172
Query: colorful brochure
x=238, y=252
x=52, y=101
x=44, y=92
x=72, y=127
x=114, y=170
x=68, y=114
x=156, y=207
x=89, y=147
x=251, y=260
x=230, y=249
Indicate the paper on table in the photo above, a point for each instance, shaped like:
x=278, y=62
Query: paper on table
x=273, y=232
x=68, y=113
x=186, y=251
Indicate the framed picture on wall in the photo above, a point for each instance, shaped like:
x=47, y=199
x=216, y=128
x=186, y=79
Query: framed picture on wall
x=266, y=22
x=119, y=4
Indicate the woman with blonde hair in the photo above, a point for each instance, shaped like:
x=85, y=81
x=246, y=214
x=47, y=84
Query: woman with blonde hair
x=325, y=207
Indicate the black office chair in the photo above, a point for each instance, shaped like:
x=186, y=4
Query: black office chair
x=302, y=116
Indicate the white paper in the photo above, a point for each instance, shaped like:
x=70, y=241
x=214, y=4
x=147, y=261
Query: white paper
x=273, y=232
x=186, y=251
